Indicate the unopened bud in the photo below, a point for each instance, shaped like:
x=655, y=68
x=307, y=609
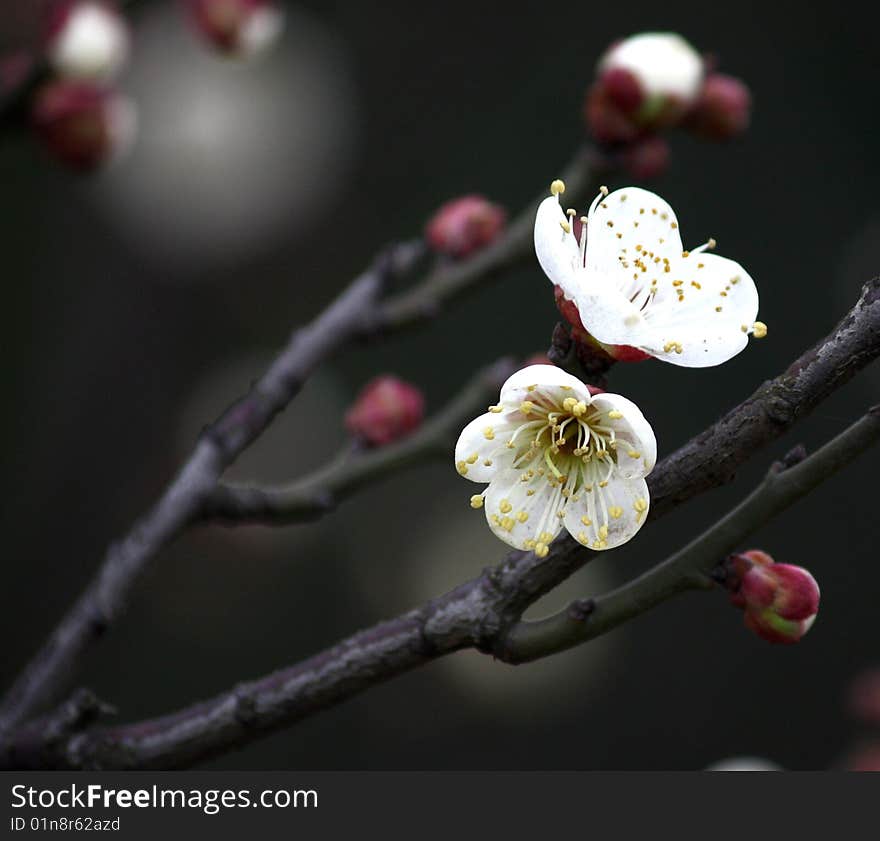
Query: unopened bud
x=83, y=125
x=723, y=109
x=237, y=27
x=386, y=410
x=646, y=158
x=653, y=78
x=86, y=39
x=465, y=225
x=780, y=601
x=863, y=696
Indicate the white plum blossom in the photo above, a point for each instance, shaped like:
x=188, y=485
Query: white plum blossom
x=91, y=41
x=556, y=456
x=634, y=285
x=664, y=64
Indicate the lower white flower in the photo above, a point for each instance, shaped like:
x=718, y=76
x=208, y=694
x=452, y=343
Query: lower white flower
x=635, y=286
x=554, y=455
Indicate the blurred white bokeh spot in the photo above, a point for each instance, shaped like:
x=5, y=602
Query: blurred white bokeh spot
x=233, y=157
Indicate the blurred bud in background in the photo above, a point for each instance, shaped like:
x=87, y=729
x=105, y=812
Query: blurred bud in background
x=465, y=225
x=644, y=83
x=780, y=601
x=646, y=158
x=863, y=697
x=386, y=410
x=86, y=39
x=723, y=109
x=82, y=124
x=237, y=27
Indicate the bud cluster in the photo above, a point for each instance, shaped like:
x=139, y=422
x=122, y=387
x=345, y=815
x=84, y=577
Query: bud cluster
x=654, y=81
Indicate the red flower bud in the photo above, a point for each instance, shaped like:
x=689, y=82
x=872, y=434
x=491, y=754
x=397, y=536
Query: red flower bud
x=86, y=39
x=863, y=697
x=464, y=225
x=780, y=601
x=622, y=88
x=386, y=410
x=242, y=27
x=647, y=158
x=607, y=122
x=723, y=109
x=83, y=125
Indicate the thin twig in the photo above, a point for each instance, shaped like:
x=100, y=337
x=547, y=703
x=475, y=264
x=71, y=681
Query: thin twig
x=320, y=492
x=689, y=568
x=357, y=313
x=480, y=613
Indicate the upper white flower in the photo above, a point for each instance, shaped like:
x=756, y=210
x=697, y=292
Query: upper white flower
x=556, y=456
x=664, y=64
x=634, y=284
x=92, y=42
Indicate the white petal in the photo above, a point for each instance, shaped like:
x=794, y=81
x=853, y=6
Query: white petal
x=482, y=448
x=719, y=300
x=557, y=251
x=621, y=508
x=637, y=452
x=641, y=218
x=517, y=516
x=544, y=379
x=606, y=313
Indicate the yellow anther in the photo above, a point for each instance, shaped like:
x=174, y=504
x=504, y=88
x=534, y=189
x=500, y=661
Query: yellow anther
x=462, y=468
x=545, y=537
x=504, y=506
x=487, y=462
x=634, y=454
x=526, y=407
x=711, y=244
x=472, y=459
x=530, y=493
x=496, y=409
x=718, y=309
x=603, y=532
x=508, y=523
x=557, y=187
x=579, y=408
x=542, y=550
x=510, y=445
x=600, y=544
x=488, y=433
x=522, y=516
x=533, y=387
x=759, y=329
x=586, y=521
x=571, y=213
x=603, y=484
x=745, y=328
x=615, y=415
x=685, y=253
x=565, y=226
x=569, y=403
x=476, y=501
x=640, y=505
x=529, y=544
x=615, y=511
x=582, y=537
x=603, y=190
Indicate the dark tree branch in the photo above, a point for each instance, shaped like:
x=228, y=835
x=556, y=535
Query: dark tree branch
x=689, y=568
x=482, y=612
x=357, y=313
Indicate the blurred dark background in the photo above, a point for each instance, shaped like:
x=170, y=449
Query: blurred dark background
x=138, y=302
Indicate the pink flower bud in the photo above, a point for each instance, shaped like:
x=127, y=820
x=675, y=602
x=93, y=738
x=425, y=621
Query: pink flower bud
x=237, y=27
x=464, y=225
x=863, y=696
x=606, y=121
x=647, y=158
x=386, y=410
x=723, y=109
x=83, y=125
x=86, y=39
x=780, y=601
